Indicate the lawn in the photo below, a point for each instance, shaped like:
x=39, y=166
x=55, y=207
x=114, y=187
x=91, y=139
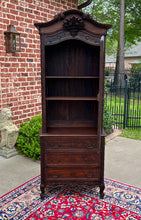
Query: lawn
x=131, y=133
x=119, y=103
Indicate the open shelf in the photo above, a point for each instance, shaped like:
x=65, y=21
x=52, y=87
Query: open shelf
x=72, y=98
x=72, y=58
x=72, y=87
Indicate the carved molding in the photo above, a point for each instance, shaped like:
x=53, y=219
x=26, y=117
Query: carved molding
x=61, y=36
x=54, y=39
x=73, y=25
x=59, y=16
x=89, y=38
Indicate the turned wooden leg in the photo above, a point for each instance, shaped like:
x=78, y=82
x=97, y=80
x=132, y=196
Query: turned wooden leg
x=102, y=187
x=42, y=187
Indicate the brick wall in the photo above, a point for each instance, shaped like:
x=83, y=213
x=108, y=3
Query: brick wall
x=20, y=84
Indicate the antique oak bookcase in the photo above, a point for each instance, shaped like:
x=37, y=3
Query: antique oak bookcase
x=72, y=76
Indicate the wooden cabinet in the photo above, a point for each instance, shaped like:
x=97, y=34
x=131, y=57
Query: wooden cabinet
x=72, y=67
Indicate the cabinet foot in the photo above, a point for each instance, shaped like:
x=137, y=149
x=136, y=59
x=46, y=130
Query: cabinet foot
x=42, y=195
x=102, y=187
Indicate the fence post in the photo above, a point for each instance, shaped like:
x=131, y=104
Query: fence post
x=125, y=100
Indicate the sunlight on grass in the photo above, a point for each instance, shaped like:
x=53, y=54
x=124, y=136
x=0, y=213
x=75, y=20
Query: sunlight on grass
x=115, y=103
x=131, y=133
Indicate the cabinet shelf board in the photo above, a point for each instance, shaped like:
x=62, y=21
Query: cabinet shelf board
x=72, y=77
x=72, y=98
x=71, y=132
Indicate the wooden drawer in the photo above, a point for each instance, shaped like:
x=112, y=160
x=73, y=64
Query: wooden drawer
x=66, y=172
x=62, y=158
x=71, y=143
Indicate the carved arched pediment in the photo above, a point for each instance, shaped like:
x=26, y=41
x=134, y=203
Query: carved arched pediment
x=72, y=22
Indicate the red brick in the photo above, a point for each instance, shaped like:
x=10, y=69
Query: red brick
x=9, y=5
x=13, y=109
x=13, y=99
x=12, y=69
x=22, y=107
x=15, y=12
x=10, y=95
x=11, y=17
x=21, y=69
x=25, y=84
x=15, y=118
x=19, y=18
x=15, y=64
x=20, y=72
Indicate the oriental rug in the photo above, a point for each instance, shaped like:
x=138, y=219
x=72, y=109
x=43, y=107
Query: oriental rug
x=72, y=202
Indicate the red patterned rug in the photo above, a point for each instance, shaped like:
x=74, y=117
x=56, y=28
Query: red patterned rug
x=76, y=202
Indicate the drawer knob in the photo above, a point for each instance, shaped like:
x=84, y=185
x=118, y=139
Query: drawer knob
x=55, y=176
x=73, y=144
x=72, y=159
x=72, y=174
x=90, y=146
x=89, y=176
x=89, y=160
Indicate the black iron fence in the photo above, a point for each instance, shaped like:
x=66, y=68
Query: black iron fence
x=124, y=102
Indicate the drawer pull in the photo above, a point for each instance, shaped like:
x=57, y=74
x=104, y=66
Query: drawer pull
x=72, y=159
x=89, y=160
x=73, y=144
x=90, y=146
x=56, y=176
x=72, y=174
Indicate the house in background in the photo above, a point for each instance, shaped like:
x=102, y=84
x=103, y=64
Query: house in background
x=131, y=57
x=110, y=62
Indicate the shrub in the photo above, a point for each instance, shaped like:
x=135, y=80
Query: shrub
x=136, y=75
x=28, y=142
x=108, y=120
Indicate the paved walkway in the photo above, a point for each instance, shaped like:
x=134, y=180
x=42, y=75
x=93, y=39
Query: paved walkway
x=122, y=163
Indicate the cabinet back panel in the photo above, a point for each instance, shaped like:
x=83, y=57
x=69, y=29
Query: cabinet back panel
x=72, y=58
x=72, y=113
x=72, y=87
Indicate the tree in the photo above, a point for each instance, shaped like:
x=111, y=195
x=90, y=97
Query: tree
x=108, y=11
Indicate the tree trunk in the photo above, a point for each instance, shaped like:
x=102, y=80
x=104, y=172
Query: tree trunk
x=121, y=44
x=116, y=73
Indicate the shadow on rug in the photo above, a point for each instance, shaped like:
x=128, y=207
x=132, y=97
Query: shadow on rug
x=76, y=202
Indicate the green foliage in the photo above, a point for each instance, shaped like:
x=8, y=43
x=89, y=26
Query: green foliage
x=28, y=142
x=108, y=120
x=136, y=75
x=109, y=71
x=136, y=67
x=109, y=12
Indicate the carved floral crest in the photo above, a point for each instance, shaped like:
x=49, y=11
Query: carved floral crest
x=73, y=25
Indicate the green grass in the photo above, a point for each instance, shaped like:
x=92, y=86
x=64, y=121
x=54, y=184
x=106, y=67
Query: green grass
x=120, y=102
x=132, y=133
